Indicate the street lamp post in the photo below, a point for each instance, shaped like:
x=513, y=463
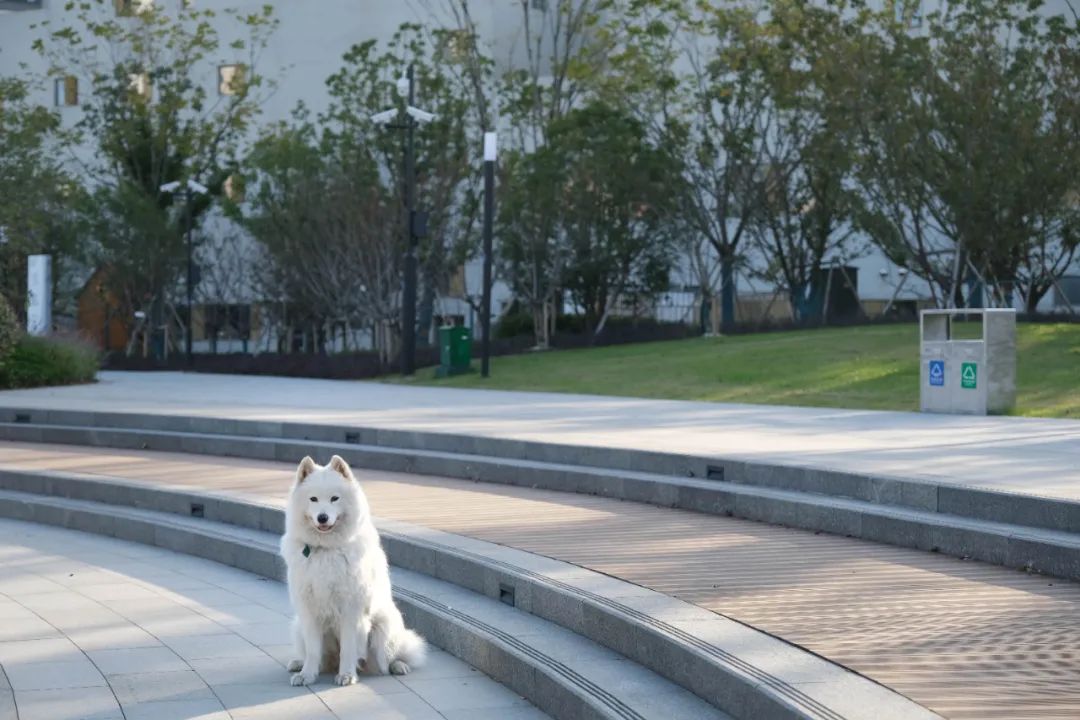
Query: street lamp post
x=406, y=86
x=189, y=187
x=490, y=140
x=408, y=304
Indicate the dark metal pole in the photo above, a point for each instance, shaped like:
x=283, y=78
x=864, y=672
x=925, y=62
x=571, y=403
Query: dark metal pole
x=489, y=218
x=190, y=278
x=408, y=302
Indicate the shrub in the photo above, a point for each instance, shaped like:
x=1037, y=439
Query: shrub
x=52, y=360
x=9, y=329
x=514, y=324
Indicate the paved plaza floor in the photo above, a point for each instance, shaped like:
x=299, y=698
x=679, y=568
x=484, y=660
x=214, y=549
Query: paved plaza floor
x=1036, y=456
x=98, y=629
x=967, y=639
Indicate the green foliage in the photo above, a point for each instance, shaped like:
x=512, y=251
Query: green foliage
x=149, y=122
x=327, y=195
x=51, y=360
x=514, y=324
x=969, y=169
x=9, y=330
x=36, y=195
x=447, y=150
x=592, y=212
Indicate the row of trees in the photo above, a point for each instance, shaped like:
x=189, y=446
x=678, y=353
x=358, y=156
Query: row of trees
x=766, y=141
x=796, y=135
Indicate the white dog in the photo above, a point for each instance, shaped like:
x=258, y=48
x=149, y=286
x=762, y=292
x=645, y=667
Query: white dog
x=339, y=581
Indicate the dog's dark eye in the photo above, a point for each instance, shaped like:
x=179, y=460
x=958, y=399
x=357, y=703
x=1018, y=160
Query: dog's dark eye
x=334, y=499
x=314, y=499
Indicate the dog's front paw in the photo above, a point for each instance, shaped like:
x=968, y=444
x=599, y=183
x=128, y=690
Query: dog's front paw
x=346, y=678
x=302, y=678
x=295, y=665
x=400, y=667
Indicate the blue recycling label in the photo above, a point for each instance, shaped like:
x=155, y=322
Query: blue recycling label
x=937, y=372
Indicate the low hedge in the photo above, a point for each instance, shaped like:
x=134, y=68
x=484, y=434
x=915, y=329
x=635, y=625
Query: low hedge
x=51, y=360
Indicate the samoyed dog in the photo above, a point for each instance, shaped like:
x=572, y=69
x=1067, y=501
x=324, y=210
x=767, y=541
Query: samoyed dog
x=339, y=582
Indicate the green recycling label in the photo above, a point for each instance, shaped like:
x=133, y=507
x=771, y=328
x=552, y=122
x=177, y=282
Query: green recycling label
x=967, y=375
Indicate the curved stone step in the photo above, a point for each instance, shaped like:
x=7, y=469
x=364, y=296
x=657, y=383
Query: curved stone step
x=568, y=678
x=904, y=513
x=746, y=672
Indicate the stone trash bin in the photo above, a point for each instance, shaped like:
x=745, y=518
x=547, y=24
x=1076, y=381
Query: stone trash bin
x=967, y=376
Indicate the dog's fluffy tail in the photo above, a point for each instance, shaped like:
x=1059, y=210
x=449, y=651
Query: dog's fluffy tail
x=396, y=650
x=410, y=648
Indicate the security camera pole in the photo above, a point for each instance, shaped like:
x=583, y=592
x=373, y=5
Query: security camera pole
x=189, y=187
x=413, y=116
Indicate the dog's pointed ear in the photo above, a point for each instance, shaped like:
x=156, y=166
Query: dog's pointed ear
x=338, y=465
x=305, y=468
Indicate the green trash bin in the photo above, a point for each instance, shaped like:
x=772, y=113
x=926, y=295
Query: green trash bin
x=455, y=350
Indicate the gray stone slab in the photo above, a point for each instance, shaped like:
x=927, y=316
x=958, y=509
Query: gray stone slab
x=196, y=647
x=463, y=693
x=55, y=675
x=357, y=702
x=88, y=703
x=209, y=709
x=134, y=688
x=34, y=651
x=136, y=660
x=272, y=702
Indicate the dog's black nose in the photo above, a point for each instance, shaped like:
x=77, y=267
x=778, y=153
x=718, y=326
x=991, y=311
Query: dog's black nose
x=322, y=518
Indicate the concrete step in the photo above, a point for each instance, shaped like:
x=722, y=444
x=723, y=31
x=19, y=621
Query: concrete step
x=745, y=672
x=1027, y=532
x=562, y=673
x=915, y=493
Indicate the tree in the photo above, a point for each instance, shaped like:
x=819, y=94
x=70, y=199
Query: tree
x=721, y=126
x=327, y=200
x=613, y=205
x=968, y=170
x=447, y=157
x=148, y=119
x=806, y=206
x=894, y=201
x=531, y=254
x=328, y=232
x=1005, y=101
x=36, y=195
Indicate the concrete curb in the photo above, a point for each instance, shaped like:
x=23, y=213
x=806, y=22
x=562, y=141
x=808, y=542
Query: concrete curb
x=1033, y=533
x=747, y=673
x=916, y=494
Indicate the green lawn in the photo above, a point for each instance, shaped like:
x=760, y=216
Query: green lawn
x=862, y=367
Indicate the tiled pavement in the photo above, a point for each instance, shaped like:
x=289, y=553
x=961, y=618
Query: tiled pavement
x=93, y=628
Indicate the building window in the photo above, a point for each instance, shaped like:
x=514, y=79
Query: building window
x=540, y=5
x=127, y=8
x=66, y=91
x=231, y=79
x=139, y=83
x=457, y=45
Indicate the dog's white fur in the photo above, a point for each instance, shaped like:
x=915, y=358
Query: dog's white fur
x=341, y=589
